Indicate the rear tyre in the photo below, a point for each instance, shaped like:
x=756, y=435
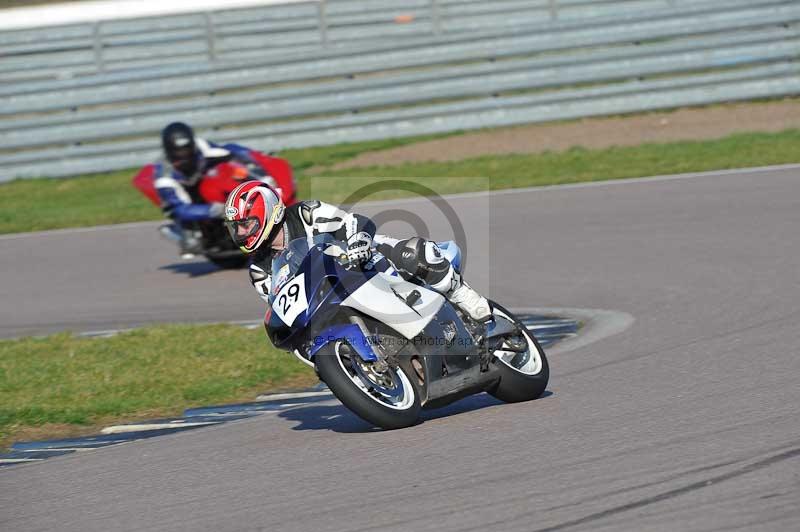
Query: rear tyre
x=386, y=399
x=523, y=376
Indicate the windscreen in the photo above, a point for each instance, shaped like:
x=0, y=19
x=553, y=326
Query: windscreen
x=285, y=265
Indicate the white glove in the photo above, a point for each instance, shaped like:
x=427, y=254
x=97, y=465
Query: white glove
x=216, y=210
x=262, y=282
x=262, y=287
x=359, y=247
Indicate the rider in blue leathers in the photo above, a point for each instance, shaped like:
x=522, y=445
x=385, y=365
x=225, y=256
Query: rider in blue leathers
x=187, y=159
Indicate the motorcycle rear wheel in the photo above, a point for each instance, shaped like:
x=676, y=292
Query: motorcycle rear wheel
x=388, y=400
x=523, y=376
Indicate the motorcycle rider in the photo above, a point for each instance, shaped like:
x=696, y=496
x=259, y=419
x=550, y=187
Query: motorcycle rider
x=187, y=159
x=262, y=226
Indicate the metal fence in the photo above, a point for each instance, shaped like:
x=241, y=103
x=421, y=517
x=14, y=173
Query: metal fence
x=92, y=98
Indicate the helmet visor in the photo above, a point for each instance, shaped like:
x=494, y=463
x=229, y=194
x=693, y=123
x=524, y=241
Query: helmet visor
x=243, y=230
x=184, y=160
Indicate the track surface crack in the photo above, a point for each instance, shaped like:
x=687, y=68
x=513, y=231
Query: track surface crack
x=786, y=455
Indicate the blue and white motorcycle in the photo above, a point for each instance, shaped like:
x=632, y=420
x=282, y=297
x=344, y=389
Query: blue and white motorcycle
x=387, y=347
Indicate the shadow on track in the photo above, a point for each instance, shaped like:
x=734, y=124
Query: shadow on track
x=468, y=404
x=192, y=269
x=337, y=418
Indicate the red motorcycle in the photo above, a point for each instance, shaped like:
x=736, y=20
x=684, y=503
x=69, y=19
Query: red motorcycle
x=215, y=242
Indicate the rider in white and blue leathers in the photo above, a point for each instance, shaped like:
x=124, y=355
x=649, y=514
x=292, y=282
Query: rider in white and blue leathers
x=260, y=224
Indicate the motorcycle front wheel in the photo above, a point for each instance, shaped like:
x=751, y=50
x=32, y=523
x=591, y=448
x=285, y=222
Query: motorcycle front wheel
x=523, y=374
x=384, y=398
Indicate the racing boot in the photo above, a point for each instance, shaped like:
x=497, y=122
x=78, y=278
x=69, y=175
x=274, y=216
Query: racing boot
x=185, y=238
x=464, y=296
x=190, y=245
x=171, y=232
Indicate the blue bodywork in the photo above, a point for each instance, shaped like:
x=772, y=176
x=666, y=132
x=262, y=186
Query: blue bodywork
x=327, y=283
x=350, y=332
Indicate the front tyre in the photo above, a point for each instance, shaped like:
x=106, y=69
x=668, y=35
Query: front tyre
x=386, y=398
x=523, y=374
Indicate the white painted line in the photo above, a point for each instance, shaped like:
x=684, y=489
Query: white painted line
x=102, y=334
x=297, y=395
x=144, y=427
x=598, y=324
x=109, y=333
x=61, y=449
x=592, y=184
x=19, y=460
x=552, y=337
x=246, y=323
x=548, y=320
x=49, y=450
x=542, y=326
x=464, y=195
x=223, y=415
x=78, y=230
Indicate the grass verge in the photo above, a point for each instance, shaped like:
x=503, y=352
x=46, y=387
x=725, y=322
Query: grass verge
x=109, y=198
x=582, y=165
x=63, y=385
x=100, y=199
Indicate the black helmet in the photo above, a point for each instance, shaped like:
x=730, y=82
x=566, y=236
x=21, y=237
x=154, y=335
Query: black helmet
x=180, y=148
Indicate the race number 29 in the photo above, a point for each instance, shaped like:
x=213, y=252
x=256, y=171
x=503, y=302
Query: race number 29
x=291, y=300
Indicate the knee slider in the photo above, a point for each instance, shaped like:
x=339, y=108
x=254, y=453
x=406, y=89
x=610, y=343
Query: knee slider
x=406, y=255
x=416, y=257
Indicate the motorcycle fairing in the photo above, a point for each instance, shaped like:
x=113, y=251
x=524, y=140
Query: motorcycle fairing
x=451, y=367
x=291, y=300
x=385, y=298
x=144, y=182
x=349, y=332
x=499, y=327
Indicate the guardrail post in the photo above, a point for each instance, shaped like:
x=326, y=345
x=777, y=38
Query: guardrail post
x=211, y=37
x=436, y=18
x=97, y=46
x=323, y=22
x=553, y=5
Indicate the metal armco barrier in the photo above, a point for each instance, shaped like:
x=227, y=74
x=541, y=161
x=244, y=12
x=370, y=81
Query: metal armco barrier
x=93, y=97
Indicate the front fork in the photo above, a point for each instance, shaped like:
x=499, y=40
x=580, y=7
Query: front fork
x=382, y=363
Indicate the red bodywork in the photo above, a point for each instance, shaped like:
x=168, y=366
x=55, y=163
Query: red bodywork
x=223, y=178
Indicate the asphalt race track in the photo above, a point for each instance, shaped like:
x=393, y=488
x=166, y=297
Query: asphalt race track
x=688, y=420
